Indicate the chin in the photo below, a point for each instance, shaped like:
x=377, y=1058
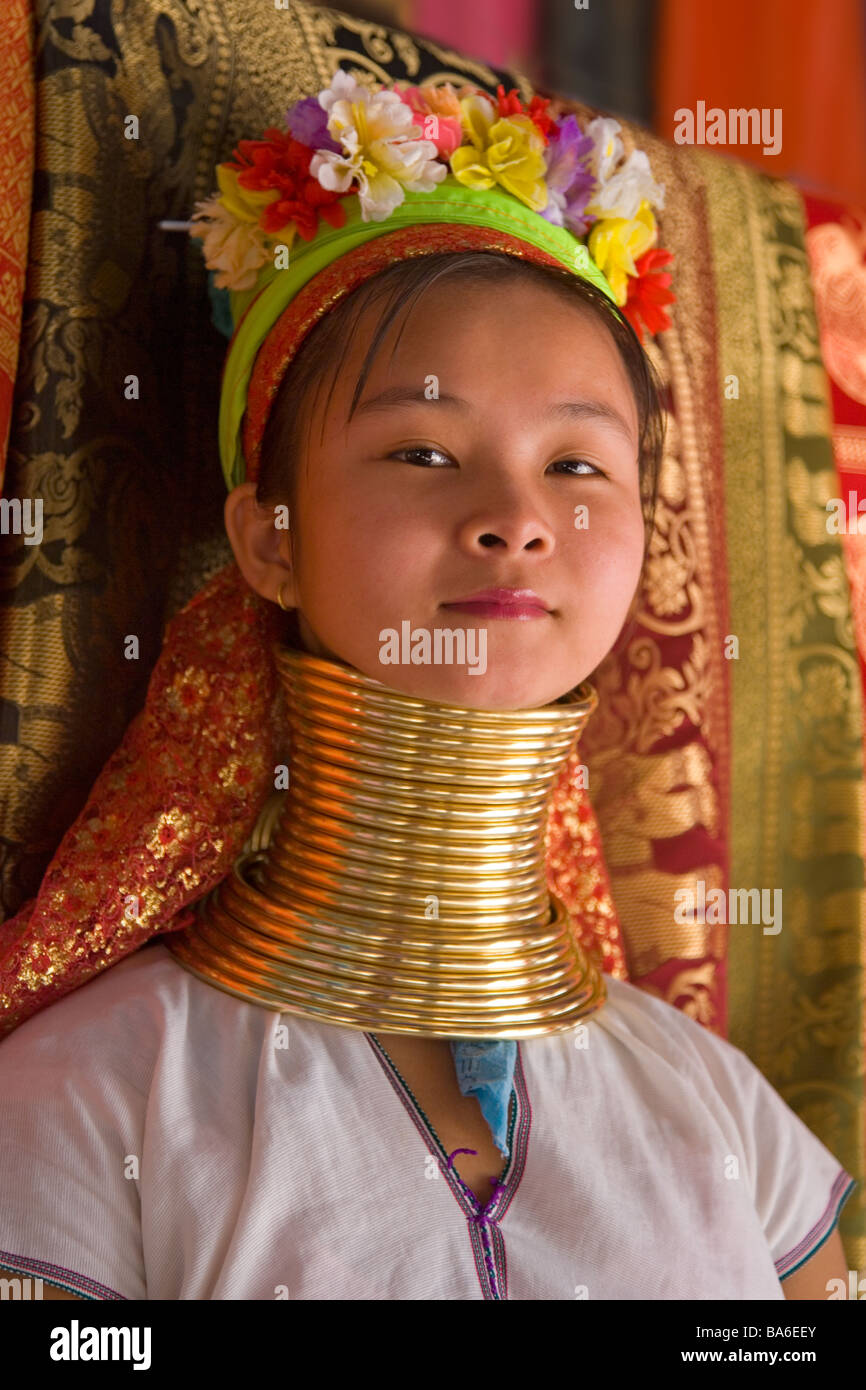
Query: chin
x=492, y=690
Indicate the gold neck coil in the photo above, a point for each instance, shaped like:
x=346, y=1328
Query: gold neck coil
x=399, y=884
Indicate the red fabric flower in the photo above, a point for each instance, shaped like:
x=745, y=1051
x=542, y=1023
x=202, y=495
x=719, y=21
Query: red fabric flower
x=648, y=292
x=511, y=105
x=281, y=162
x=537, y=111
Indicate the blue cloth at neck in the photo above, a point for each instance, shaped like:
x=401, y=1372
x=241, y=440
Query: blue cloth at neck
x=485, y=1068
x=220, y=307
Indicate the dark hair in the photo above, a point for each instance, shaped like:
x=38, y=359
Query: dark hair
x=407, y=280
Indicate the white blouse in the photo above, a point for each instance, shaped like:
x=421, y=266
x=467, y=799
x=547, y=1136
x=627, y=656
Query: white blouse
x=160, y=1139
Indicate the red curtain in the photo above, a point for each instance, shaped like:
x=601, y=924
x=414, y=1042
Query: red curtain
x=17, y=126
x=808, y=60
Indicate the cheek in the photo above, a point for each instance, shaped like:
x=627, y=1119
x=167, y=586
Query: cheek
x=361, y=543
x=605, y=546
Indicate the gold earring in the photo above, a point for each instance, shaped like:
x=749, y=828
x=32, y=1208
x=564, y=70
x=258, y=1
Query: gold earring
x=285, y=607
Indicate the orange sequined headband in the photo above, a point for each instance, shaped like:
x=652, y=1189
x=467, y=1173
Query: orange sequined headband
x=330, y=286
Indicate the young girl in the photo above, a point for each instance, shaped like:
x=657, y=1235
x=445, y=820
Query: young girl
x=378, y=1063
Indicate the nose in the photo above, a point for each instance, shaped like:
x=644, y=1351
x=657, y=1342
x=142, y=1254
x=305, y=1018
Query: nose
x=513, y=530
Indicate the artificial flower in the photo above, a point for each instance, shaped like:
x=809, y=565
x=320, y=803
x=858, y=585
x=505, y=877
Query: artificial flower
x=468, y=89
x=537, y=111
x=235, y=249
x=379, y=148
x=607, y=148
x=245, y=204
x=308, y=122
x=621, y=194
x=648, y=291
x=506, y=150
x=615, y=243
x=569, y=180
x=442, y=103
x=279, y=165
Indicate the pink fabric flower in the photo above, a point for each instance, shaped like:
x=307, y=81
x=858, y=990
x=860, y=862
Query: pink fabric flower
x=441, y=104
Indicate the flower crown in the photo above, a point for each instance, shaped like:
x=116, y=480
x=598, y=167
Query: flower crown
x=378, y=143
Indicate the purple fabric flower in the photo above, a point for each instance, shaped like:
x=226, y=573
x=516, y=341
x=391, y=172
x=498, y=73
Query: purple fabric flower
x=308, y=122
x=570, y=182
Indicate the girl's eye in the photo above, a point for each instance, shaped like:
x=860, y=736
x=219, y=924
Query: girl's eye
x=420, y=453
x=576, y=468
x=420, y=449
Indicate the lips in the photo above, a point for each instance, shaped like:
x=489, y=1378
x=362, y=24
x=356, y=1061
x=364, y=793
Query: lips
x=502, y=603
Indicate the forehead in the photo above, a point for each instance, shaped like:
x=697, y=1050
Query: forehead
x=506, y=328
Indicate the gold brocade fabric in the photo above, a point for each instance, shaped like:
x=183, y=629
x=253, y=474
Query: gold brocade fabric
x=796, y=999
x=726, y=746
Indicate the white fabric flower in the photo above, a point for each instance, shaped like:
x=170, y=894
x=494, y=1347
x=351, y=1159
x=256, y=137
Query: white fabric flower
x=236, y=250
x=622, y=193
x=607, y=146
x=380, y=148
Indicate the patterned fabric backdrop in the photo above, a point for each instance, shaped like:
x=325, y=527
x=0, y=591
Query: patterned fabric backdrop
x=17, y=137
x=727, y=747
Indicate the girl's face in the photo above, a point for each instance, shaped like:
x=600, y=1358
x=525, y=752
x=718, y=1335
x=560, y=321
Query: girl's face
x=496, y=450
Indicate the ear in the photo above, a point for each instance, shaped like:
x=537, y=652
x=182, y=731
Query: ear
x=261, y=541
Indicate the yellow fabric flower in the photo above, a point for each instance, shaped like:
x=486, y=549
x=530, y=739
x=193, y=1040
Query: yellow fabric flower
x=243, y=203
x=506, y=150
x=615, y=243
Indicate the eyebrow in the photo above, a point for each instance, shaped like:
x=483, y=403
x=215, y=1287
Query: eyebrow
x=395, y=396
